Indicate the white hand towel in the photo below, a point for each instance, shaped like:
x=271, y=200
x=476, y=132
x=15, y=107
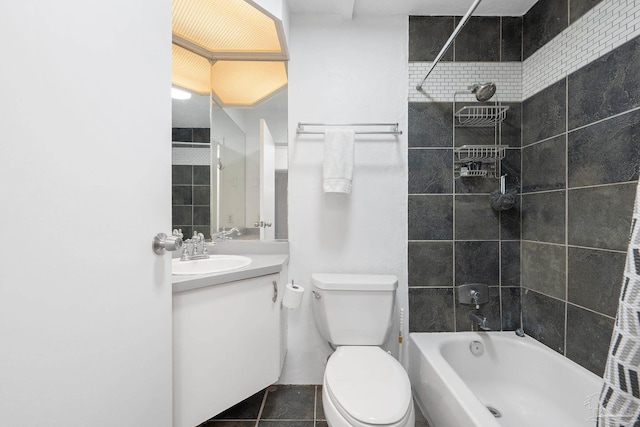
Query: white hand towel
x=338, y=160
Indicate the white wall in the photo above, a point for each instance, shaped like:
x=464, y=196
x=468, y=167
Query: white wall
x=345, y=71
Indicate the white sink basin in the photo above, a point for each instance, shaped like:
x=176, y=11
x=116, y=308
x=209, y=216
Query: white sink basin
x=213, y=264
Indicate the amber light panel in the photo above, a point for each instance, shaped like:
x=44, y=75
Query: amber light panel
x=189, y=71
x=224, y=26
x=246, y=82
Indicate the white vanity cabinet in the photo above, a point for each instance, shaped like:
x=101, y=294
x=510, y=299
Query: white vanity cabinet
x=227, y=345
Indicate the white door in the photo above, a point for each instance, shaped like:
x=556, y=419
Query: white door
x=267, y=182
x=85, y=305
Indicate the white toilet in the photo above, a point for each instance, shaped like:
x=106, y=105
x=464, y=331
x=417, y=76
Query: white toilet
x=363, y=385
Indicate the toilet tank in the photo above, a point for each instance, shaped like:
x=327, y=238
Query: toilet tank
x=354, y=309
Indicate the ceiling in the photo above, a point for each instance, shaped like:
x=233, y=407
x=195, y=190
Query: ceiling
x=355, y=8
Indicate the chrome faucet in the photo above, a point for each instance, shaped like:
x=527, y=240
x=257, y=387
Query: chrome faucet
x=481, y=321
x=225, y=235
x=194, y=248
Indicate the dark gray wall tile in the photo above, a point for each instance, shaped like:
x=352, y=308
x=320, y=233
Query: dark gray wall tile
x=201, y=175
x=545, y=20
x=474, y=185
x=511, y=308
x=544, y=268
x=430, y=171
x=605, y=152
x=427, y=36
x=510, y=221
x=600, y=217
x=473, y=135
x=577, y=8
x=181, y=195
x=606, y=86
x=511, y=47
x=201, y=135
x=543, y=319
x=201, y=195
x=588, y=338
x=543, y=216
x=430, y=263
x=544, y=165
x=475, y=219
x=595, y=279
x=182, y=134
x=490, y=310
x=430, y=124
x=202, y=216
x=477, y=262
x=479, y=40
x=512, y=124
x=510, y=260
x=431, y=310
x=511, y=166
x=181, y=175
x=182, y=215
x=430, y=217
x=544, y=114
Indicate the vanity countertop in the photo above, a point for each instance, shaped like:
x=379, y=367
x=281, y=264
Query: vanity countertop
x=262, y=263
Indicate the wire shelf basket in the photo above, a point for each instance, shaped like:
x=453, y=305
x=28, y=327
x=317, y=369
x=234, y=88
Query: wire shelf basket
x=481, y=115
x=480, y=153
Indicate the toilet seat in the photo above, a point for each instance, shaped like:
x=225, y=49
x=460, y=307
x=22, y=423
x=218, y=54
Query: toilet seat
x=368, y=386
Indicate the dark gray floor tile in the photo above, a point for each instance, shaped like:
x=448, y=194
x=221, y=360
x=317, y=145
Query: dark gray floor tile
x=543, y=319
x=600, y=217
x=228, y=423
x=588, y=338
x=319, y=406
x=544, y=114
x=595, y=279
x=431, y=310
x=544, y=165
x=606, y=86
x=289, y=402
x=430, y=264
x=430, y=217
x=248, y=409
x=606, y=152
x=285, y=423
x=430, y=171
x=543, y=217
x=430, y=124
x=544, y=268
x=477, y=262
x=421, y=421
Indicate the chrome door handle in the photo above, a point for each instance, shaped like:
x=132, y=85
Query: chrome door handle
x=163, y=243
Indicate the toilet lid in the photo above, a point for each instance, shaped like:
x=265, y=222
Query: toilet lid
x=369, y=384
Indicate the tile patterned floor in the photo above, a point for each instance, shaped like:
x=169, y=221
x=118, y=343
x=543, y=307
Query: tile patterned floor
x=281, y=406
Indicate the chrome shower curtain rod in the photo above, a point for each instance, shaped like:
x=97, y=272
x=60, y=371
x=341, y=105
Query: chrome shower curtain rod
x=463, y=21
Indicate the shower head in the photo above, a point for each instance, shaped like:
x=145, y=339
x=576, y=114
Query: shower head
x=483, y=91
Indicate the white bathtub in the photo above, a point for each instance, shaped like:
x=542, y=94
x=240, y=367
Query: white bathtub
x=528, y=383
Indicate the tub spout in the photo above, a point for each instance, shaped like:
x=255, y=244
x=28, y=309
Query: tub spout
x=476, y=317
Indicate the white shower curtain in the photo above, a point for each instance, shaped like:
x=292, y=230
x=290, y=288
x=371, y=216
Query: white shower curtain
x=620, y=396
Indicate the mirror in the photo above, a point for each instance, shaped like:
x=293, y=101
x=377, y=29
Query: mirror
x=216, y=166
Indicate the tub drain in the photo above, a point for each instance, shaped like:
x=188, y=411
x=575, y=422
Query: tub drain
x=494, y=412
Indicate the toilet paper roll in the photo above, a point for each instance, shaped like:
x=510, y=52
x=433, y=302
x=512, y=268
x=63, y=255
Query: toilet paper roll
x=292, y=295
